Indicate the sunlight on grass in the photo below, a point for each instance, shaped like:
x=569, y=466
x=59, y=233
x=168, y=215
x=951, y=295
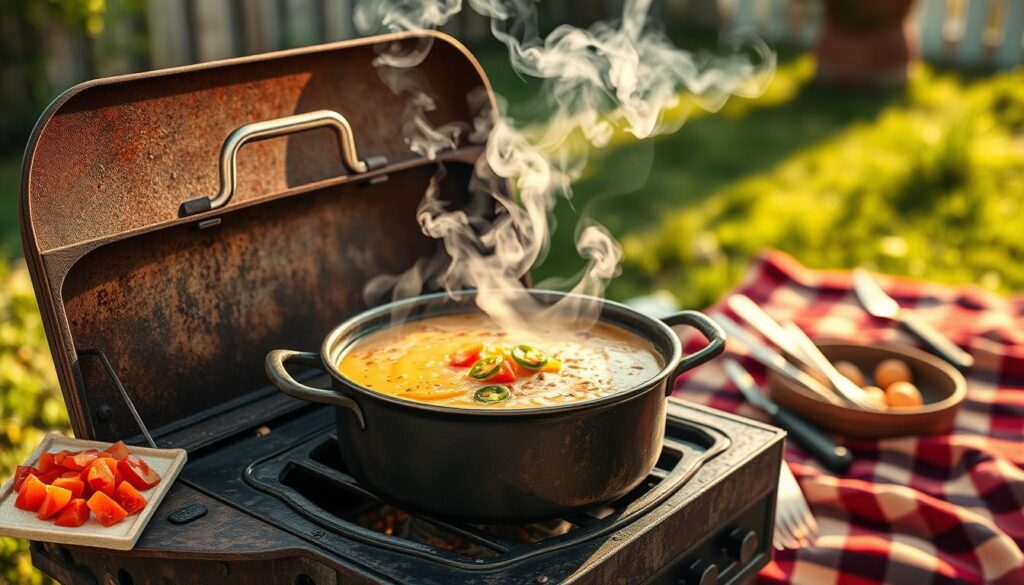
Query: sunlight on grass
x=788, y=81
x=927, y=183
x=930, y=188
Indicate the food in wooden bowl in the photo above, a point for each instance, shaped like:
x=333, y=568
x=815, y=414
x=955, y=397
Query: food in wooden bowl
x=923, y=393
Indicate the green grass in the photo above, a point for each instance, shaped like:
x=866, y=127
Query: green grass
x=932, y=187
x=630, y=187
x=927, y=182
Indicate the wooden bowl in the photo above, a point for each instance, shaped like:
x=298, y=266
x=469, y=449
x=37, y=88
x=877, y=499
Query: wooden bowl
x=942, y=387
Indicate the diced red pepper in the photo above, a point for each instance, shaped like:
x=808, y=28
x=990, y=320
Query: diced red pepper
x=58, y=457
x=47, y=462
x=73, y=484
x=129, y=498
x=51, y=475
x=32, y=494
x=20, y=473
x=137, y=472
x=101, y=477
x=55, y=500
x=112, y=465
x=106, y=510
x=118, y=450
x=466, y=356
x=80, y=460
x=504, y=375
x=518, y=370
x=74, y=514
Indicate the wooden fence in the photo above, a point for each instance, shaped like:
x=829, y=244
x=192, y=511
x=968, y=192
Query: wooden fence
x=985, y=33
x=972, y=33
x=142, y=34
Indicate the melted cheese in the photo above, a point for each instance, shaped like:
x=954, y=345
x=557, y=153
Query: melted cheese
x=411, y=361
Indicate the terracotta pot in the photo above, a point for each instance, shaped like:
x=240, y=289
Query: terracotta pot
x=866, y=43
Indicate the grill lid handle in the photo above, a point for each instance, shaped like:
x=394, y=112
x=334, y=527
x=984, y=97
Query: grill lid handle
x=271, y=129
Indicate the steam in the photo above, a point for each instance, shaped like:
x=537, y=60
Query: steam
x=619, y=76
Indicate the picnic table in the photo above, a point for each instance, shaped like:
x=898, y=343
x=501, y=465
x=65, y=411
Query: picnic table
x=918, y=509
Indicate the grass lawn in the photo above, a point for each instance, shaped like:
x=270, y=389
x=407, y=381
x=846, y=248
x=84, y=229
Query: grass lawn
x=927, y=182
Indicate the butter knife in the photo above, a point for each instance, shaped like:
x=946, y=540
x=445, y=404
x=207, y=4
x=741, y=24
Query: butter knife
x=880, y=304
x=833, y=457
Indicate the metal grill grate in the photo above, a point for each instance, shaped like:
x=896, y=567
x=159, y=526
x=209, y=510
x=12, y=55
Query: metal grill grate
x=311, y=479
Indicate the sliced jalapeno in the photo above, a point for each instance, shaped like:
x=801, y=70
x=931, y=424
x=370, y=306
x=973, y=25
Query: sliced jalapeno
x=528, y=357
x=489, y=394
x=485, y=368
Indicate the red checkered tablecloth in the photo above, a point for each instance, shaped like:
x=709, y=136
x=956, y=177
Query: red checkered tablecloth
x=916, y=510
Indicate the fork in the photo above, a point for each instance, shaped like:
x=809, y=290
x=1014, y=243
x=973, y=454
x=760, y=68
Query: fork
x=795, y=526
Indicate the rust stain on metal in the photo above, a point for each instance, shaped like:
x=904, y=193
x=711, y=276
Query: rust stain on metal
x=119, y=157
x=186, y=314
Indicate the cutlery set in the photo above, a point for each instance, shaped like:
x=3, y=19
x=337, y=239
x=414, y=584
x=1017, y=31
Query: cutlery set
x=798, y=359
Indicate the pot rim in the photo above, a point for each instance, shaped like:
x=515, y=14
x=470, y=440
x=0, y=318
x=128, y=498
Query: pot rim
x=353, y=323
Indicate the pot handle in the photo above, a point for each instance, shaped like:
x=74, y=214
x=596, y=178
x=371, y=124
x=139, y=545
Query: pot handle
x=275, y=366
x=711, y=332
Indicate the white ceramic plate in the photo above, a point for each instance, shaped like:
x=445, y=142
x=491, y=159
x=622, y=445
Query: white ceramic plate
x=121, y=536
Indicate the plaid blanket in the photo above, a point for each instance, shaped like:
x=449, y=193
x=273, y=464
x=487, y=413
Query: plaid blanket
x=918, y=510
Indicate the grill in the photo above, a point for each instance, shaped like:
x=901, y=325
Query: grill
x=298, y=475
x=264, y=507
x=180, y=224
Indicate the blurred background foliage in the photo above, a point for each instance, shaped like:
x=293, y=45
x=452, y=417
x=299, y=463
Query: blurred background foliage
x=925, y=181
x=30, y=400
x=930, y=186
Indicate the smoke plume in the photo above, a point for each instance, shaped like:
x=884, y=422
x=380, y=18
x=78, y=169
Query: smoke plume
x=617, y=76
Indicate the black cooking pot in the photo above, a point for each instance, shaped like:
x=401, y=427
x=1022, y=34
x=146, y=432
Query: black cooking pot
x=498, y=465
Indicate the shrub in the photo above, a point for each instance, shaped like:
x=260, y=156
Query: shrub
x=30, y=399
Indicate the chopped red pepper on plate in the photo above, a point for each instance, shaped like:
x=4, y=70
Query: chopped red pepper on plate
x=106, y=510
x=54, y=501
x=80, y=460
x=101, y=477
x=138, y=473
x=71, y=485
x=31, y=495
x=117, y=451
x=129, y=498
x=74, y=514
x=47, y=462
x=21, y=473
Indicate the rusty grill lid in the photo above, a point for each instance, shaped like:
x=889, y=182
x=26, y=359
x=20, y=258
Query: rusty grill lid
x=179, y=224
